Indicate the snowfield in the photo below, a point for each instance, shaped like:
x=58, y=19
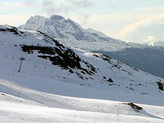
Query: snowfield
x=18, y=110
x=83, y=88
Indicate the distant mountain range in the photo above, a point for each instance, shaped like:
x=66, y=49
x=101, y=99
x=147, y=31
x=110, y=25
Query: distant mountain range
x=147, y=57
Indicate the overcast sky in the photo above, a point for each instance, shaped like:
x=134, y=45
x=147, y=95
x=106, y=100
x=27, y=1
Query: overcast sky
x=130, y=20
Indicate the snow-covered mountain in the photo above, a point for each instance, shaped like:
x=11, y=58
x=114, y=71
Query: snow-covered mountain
x=72, y=34
x=59, y=84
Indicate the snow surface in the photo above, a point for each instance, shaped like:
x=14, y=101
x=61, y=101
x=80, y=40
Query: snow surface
x=47, y=93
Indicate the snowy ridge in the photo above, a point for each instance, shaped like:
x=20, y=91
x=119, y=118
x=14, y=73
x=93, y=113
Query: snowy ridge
x=71, y=85
x=59, y=27
x=72, y=34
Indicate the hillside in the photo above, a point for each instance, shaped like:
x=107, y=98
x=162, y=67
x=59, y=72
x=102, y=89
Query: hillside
x=71, y=85
x=142, y=56
x=148, y=59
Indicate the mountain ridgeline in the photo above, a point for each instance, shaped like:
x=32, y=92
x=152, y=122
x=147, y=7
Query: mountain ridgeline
x=145, y=57
x=70, y=33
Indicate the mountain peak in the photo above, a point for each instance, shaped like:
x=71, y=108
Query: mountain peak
x=71, y=33
x=36, y=18
x=57, y=17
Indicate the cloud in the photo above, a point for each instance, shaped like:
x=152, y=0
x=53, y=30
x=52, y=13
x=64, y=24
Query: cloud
x=64, y=7
x=150, y=10
x=9, y=5
x=48, y=7
x=31, y=3
x=133, y=27
x=81, y=3
x=84, y=19
x=47, y=3
x=109, y=24
x=112, y=6
x=59, y=7
x=144, y=30
x=14, y=19
x=150, y=39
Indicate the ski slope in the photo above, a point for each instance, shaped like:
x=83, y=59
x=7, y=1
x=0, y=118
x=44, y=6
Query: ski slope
x=34, y=106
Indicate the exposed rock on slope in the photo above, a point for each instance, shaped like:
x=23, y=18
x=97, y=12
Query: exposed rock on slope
x=92, y=69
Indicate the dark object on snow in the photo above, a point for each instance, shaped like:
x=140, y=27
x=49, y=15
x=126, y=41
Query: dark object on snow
x=134, y=106
x=110, y=80
x=21, y=59
x=160, y=86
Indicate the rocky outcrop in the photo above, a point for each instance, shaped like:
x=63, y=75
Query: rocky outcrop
x=59, y=55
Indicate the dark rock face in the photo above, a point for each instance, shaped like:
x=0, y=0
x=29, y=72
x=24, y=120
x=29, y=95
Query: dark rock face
x=160, y=86
x=64, y=59
x=104, y=57
x=14, y=30
x=110, y=80
x=59, y=55
x=40, y=49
